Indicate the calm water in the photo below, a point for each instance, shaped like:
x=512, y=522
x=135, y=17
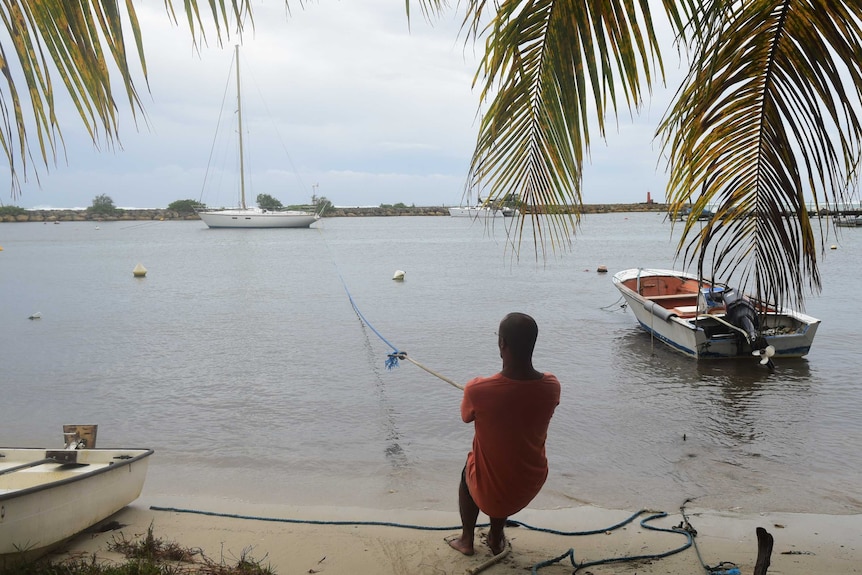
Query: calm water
x=240, y=360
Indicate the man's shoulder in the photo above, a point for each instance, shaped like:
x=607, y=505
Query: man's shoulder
x=482, y=380
x=550, y=378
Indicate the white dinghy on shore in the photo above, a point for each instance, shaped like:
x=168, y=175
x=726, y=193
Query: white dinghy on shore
x=47, y=496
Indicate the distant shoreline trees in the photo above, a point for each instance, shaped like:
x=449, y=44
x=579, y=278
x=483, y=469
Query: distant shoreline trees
x=185, y=206
x=102, y=205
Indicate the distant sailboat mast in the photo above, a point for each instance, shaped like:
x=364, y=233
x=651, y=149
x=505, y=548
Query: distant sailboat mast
x=244, y=216
x=239, y=125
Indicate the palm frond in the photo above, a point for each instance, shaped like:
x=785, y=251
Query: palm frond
x=77, y=41
x=766, y=118
x=550, y=67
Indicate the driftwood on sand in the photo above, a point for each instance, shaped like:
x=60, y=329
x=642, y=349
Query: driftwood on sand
x=764, y=551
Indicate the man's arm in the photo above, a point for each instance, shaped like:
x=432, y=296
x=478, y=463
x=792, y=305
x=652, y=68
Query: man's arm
x=467, y=412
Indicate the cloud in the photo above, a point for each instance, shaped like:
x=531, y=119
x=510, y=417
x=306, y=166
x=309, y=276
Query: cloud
x=370, y=108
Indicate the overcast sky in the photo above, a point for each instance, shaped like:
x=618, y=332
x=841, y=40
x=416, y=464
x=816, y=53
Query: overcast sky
x=341, y=99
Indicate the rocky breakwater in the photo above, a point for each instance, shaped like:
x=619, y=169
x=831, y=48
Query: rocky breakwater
x=48, y=216
x=384, y=211
x=117, y=215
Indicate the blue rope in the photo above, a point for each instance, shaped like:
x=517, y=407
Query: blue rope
x=392, y=358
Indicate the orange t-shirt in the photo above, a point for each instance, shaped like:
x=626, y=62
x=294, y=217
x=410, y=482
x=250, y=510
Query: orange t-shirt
x=507, y=466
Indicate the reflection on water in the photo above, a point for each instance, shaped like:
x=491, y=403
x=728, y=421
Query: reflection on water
x=742, y=433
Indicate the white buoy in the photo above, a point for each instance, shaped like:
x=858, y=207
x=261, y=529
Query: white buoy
x=139, y=271
x=833, y=247
x=37, y=315
x=399, y=275
x=602, y=269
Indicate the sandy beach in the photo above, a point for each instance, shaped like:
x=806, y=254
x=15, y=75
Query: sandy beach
x=805, y=544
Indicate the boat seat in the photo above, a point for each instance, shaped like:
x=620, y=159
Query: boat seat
x=685, y=310
x=681, y=296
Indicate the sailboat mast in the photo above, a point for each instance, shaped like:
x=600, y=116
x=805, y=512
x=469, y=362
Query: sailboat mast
x=239, y=126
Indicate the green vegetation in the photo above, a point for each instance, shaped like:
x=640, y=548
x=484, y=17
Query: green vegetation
x=321, y=204
x=267, y=202
x=511, y=201
x=185, y=206
x=148, y=556
x=11, y=211
x=102, y=205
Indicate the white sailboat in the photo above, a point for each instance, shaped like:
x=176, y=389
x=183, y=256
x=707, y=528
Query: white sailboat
x=482, y=210
x=252, y=217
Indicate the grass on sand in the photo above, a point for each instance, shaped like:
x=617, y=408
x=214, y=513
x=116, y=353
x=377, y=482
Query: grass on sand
x=148, y=555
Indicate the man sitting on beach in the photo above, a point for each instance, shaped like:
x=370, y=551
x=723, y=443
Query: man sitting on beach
x=510, y=412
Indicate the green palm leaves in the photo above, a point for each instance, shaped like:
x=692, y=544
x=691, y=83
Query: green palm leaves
x=767, y=117
x=75, y=41
x=551, y=67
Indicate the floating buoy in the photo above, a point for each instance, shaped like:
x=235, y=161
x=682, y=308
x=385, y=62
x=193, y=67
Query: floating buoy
x=37, y=315
x=1, y=248
x=602, y=269
x=832, y=247
x=399, y=275
x=97, y=227
x=139, y=271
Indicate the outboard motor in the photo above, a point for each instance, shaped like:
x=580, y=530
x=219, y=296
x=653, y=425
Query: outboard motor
x=742, y=313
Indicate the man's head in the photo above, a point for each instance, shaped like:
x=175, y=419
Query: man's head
x=517, y=334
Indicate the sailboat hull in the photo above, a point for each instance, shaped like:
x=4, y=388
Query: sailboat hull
x=255, y=218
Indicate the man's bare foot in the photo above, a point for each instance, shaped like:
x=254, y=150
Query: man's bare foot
x=458, y=544
x=497, y=547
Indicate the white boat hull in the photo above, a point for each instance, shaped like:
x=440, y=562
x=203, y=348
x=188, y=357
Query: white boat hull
x=846, y=221
x=45, y=504
x=475, y=212
x=256, y=218
x=705, y=334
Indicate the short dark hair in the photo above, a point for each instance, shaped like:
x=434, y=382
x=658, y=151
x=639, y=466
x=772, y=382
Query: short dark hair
x=519, y=331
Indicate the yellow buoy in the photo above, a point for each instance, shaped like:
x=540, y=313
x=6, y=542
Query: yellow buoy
x=833, y=247
x=139, y=271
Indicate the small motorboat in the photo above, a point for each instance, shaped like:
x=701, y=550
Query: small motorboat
x=49, y=495
x=848, y=221
x=710, y=320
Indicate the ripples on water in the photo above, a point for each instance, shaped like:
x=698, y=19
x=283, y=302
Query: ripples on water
x=241, y=361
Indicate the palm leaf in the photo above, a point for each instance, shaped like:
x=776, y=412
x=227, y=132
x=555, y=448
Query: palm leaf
x=550, y=67
x=76, y=40
x=764, y=120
